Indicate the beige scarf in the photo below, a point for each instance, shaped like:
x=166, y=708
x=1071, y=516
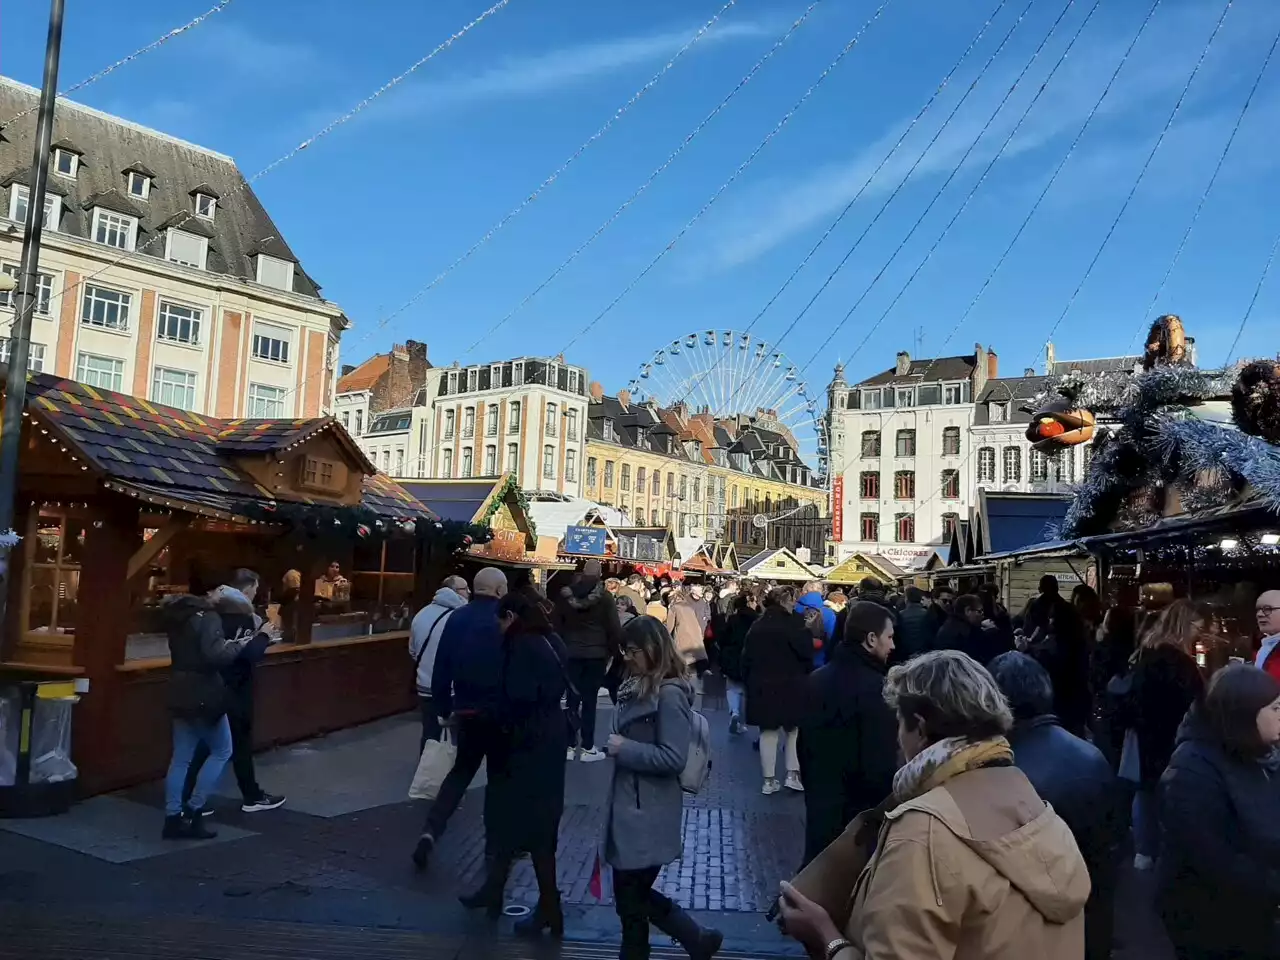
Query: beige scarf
x=939, y=762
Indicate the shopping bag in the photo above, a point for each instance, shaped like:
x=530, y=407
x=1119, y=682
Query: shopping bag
x=830, y=878
x=1130, y=758
x=601, y=885
x=433, y=766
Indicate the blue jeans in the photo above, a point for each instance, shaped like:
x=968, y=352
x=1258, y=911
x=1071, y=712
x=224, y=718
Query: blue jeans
x=187, y=734
x=735, y=694
x=1146, y=822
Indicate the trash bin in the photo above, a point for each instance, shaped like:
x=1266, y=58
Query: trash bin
x=37, y=777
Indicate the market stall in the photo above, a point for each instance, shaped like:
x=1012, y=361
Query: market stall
x=122, y=502
x=779, y=564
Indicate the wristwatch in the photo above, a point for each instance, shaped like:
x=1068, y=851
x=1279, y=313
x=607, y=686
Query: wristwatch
x=836, y=946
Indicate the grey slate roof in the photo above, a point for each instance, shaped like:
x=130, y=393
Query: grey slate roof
x=108, y=147
x=940, y=368
x=1017, y=392
x=1101, y=365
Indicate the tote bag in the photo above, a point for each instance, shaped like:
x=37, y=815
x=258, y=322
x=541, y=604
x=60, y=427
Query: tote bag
x=433, y=766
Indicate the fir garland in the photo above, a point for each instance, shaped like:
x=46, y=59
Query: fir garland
x=307, y=521
x=510, y=485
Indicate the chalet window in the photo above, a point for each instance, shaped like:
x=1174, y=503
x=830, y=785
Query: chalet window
x=321, y=474
x=106, y=373
x=571, y=465
x=904, y=528
x=549, y=462
x=869, y=484
x=490, y=461
x=513, y=416
x=1012, y=464
x=35, y=355
x=608, y=474
x=624, y=481
x=382, y=574
x=513, y=458
x=871, y=443
x=591, y=472
x=178, y=323
x=951, y=484
x=139, y=184
x=949, y=521
x=904, y=485
x=448, y=424
x=267, y=403
x=174, y=388
x=951, y=441
x=552, y=420
x=106, y=308
x=640, y=479
x=271, y=343
x=986, y=464
x=206, y=206
x=274, y=272
x=187, y=249
x=869, y=526
x=51, y=594
x=906, y=443
x=114, y=229
x=44, y=289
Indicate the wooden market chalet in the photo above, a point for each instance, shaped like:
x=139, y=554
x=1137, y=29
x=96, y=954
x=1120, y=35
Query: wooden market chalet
x=120, y=501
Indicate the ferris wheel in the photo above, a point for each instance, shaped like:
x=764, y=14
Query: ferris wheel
x=727, y=373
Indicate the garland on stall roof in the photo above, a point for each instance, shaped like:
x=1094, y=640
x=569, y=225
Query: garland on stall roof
x=511, y=485
x=325, y=522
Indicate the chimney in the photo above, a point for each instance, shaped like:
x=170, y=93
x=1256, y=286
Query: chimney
x=993, y=365
x=347, y=368
x=1029, y=372
x=596, y=391
x=1050, y=358
x=903, y=365
x=979, y=369
x=395, y=388
x=624, y=398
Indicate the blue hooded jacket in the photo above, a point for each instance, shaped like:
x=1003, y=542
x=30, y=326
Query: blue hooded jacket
x=813, y=601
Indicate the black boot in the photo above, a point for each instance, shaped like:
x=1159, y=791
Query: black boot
x=700, y=943
x=547, y=915
x=489, y=896
x=195, y=825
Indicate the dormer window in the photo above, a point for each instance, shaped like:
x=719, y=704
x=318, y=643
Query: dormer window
x=206, y=205
x=20, y=197
x=322, y=474
x=274, y=272
x=186, y=248
x=139, y=184
x=66, y=163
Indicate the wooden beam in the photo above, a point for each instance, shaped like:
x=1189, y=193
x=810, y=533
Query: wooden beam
x=143, y=556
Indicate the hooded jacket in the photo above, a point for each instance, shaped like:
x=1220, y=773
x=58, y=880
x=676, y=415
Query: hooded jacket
x=813, y=601
x=686, y=629
x=427, y=627
x=587, y=617
x=199, y=652
x=979, y=868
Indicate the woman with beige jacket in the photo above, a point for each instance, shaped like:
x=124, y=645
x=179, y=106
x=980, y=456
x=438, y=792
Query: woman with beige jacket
x=969, y=863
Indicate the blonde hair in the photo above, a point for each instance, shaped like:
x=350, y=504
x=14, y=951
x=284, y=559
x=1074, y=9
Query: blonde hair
x=1176, y=626
x=952, y=693
x=661, y=659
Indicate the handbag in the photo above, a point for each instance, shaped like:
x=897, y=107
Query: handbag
x=433, y=766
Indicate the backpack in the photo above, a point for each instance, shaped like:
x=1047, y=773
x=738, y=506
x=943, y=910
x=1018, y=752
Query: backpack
x=697, y=766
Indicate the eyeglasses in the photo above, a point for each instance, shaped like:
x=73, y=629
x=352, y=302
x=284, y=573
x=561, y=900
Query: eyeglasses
x=1266, y=611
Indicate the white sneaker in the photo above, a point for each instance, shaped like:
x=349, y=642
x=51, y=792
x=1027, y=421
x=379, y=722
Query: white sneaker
x=572, y=754
x=771, y=786
x=1142, y=862
x=793, y=782
x=593, y=755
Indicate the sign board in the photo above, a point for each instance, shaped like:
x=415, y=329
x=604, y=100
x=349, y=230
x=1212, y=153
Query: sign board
x=586, y=541
x=837, y=508
x=1069, y=577
x=505, y=545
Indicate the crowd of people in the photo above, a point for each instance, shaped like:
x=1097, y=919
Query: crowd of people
x=972, y=778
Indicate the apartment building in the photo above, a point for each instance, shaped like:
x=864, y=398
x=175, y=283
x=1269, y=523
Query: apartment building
x=385, y=404
x=901, y=474
x=161, y=274
x=702, y=477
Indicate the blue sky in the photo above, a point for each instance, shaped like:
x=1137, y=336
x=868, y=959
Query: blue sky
x=378, y=208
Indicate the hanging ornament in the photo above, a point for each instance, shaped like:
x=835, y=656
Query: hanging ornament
x=1057, y=426
x=1166, y=343
x=466, y=541
x=1255, y=400
x=439, y=525
x=362, y=530
x=409, y=527
x=269, y=506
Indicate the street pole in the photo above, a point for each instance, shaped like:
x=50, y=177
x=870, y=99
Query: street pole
x=15, y=388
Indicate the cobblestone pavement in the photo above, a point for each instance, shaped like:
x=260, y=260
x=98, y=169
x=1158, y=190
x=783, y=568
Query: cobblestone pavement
x=339, y=852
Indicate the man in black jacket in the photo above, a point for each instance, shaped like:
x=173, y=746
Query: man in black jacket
x=198, y=652
x=1073, y=777
x=233, y=602
x=917, y=627
x=849, y=744
x=587, y=619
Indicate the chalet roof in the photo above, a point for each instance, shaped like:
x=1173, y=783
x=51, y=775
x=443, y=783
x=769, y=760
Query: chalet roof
x=1011, y=521
x=109, y=145
x=165, y=451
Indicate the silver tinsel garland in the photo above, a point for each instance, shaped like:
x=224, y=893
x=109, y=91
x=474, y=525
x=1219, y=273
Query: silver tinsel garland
x=1116, y=393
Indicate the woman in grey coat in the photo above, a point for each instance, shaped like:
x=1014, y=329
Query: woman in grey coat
x=652, y=729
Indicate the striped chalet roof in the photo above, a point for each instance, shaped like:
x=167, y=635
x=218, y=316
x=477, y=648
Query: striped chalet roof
x=139, y=447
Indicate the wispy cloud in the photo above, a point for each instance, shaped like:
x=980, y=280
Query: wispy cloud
x=535, y=76
x=779, y=211
x=242, y=53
